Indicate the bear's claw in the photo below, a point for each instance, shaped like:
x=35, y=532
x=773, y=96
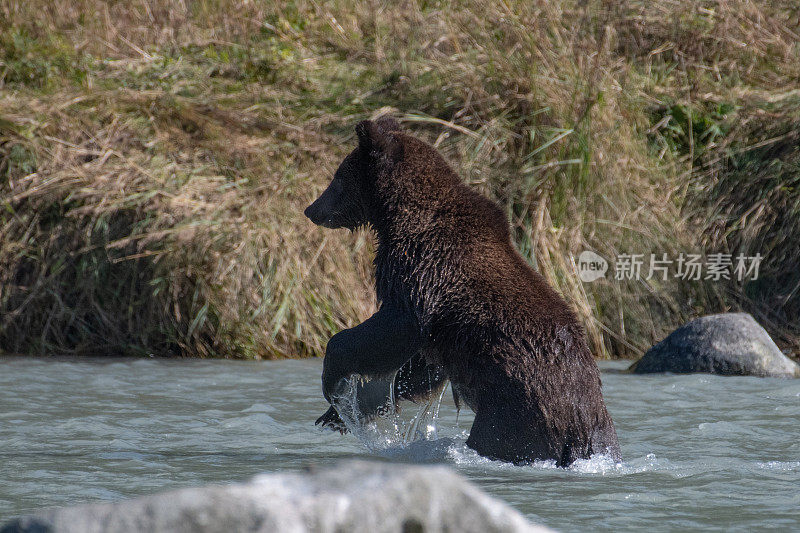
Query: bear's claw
x=332, y=421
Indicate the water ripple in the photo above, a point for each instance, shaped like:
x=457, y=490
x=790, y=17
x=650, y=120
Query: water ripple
x=700, y=452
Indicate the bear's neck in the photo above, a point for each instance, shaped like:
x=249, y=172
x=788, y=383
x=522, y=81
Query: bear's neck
x=400, y=222
x=406, y=209
x=404, y=230
x=406, y=202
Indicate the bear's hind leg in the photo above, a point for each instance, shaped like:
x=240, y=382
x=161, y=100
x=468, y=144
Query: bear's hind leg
x=604, y=440
x=502, y=439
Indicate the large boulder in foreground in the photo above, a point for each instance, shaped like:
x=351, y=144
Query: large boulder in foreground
x=727, y=344
x=355, y=496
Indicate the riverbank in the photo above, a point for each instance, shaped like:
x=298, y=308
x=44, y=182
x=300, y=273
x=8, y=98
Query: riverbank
x=155, y=160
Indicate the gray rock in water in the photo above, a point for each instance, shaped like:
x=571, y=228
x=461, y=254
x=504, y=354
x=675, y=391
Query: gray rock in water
x=728, y=344
x=355, y=496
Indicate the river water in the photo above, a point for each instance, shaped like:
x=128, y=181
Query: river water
x=700, y=451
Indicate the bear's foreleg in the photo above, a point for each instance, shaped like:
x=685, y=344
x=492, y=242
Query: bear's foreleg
x=378, y=347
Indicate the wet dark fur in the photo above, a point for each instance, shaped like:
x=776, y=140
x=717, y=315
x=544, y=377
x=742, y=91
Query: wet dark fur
x=510, y=345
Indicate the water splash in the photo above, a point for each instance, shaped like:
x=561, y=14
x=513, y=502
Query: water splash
x=598, y=465
x=381, y=425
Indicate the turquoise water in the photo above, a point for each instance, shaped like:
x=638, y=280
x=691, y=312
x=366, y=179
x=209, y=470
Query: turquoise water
x=701, y=452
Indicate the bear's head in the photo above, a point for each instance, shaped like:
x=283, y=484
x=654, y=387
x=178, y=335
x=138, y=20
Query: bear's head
x=349, y=200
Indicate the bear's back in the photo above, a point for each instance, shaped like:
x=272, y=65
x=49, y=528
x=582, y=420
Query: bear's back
x=494, y=280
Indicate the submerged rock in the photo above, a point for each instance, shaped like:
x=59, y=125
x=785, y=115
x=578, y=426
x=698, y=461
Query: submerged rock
x=728, y=344
x=355, y=496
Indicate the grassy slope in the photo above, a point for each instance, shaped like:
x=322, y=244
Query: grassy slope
x=155, y=158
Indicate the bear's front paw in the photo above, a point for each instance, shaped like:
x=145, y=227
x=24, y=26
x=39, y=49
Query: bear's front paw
x=332, y=421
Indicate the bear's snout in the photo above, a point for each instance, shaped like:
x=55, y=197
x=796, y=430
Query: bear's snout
x=326, y=210
x=314, y=214
x=319, y=211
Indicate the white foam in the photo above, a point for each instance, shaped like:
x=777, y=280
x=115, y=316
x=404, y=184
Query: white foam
x=781, y=466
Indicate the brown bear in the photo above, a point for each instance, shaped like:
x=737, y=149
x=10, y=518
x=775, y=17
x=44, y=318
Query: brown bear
x=453, y=289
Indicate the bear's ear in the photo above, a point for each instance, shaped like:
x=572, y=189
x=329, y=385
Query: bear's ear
x=378, y=142
x=387, y=123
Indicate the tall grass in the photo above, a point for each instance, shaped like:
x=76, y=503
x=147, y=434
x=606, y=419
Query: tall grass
x=155, y=158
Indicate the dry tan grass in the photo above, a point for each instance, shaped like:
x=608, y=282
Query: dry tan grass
x=202, y=258
x=155, y=157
